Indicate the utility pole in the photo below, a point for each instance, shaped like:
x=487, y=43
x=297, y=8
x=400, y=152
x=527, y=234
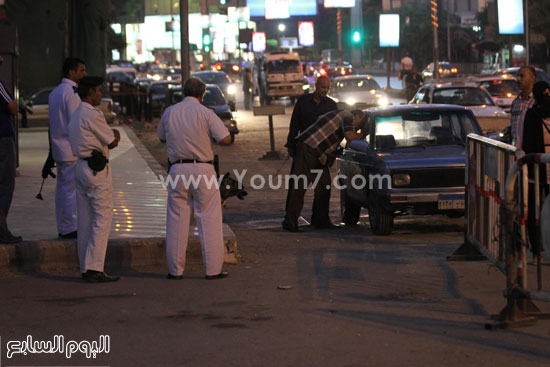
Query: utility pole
x=435, y=22
x=449, y=5
x=339, y=30
x=184, y=34
x=527, y=40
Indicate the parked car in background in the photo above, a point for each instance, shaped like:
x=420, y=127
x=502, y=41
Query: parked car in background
x=358, y=91
x=119, y=74
x=541, y=74
x=228, y=67
x=446, y=70
x=220, y=79
x=214, y=99
x=334, y=71
x=503, y=88
x=467, y=94
x=157, y=93
x=412, y=162
x=37, y=108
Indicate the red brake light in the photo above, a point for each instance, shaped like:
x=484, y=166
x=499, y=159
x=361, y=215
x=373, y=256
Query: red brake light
x=440, y=70
x=454, y=70
x=235, y=67
x=343, y=71
x=322, y=72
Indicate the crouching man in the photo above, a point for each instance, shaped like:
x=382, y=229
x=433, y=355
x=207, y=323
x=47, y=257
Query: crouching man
x=91, y=138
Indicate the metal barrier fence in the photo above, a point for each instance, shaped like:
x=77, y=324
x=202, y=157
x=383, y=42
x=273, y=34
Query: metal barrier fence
x=496, y=220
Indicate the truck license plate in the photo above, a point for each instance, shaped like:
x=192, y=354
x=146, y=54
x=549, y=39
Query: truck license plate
x=450, y=204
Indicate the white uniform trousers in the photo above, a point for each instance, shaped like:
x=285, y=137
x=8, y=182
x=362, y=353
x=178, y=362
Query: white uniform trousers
x=65, y=197
x=94, y=198
x=206, y=204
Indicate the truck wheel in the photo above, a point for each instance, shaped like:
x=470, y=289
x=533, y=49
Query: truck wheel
x=381, y=220
x=350, y=212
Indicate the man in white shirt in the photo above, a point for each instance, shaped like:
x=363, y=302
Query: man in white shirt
x=189, y=129
x=90, y=139
x=63, y=101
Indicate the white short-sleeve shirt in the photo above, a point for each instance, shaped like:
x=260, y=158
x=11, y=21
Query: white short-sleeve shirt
x=89, y=131
x=188, y=128
x=62, y=103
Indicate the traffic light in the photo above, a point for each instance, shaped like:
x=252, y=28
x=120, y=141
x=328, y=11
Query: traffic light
x=206, y=40
x=356, y=37
x=223, y=2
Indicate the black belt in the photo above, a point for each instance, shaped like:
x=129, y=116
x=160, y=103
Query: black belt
x=191, y=161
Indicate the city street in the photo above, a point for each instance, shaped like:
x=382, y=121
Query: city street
x=319, y=298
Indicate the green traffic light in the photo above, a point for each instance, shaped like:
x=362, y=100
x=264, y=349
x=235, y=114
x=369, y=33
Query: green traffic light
x=356, y=36
x=223, y=2
x=206, y=39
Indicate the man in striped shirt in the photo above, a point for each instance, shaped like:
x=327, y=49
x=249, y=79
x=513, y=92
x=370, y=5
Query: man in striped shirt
x=313, y=148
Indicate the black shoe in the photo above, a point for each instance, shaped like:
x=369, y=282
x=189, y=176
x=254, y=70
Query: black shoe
x=221, y=275
x=291, y=227
x=92, y=276
x=326, y=226
x=174, y=277
x=68, y=235
x=11, y=239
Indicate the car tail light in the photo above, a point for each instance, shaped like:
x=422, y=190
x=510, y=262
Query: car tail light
x=218, y=67
x=440, y=70
x=235, y=67
x=349, y=70
x=343, y=71
x=322, y=72
x=454, y=70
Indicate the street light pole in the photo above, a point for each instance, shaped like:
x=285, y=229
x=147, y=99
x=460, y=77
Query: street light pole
x=184, y=34
x=527, y=41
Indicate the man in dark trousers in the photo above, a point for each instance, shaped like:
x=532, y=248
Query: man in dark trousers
x=314, y=147
x=8, y=109
x=307, y=110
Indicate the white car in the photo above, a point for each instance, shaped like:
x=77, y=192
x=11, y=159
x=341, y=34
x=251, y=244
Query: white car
x=358, y=91
x=467, y=94
x=503, y=88
x=37, y=108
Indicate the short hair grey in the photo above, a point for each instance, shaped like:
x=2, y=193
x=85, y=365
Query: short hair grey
x=194, y=87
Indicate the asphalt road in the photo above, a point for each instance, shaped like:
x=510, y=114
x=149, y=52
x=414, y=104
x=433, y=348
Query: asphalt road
x=320, y=298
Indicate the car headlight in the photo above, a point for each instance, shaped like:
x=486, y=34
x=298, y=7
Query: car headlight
x=351, y=101
x=169, y=78
x=383, y=101
x=305, y=86
x=401, y=179
x=231, y=89
x=156, y=77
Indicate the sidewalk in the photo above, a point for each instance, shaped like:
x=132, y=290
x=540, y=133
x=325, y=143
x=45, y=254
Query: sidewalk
x=139, y=220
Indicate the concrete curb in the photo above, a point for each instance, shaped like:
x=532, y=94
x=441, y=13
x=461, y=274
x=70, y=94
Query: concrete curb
x=123, y=253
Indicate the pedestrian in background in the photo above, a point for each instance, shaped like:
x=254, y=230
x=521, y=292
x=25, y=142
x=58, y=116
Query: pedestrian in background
x=63, y=102
x=91, y=138
x=314, y=148
x=248, y=87
x=405, y=67
x=523, y=101
x=189, y=129
x=8, y=109
x=307, y=110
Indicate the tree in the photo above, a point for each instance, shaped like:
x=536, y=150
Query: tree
x=539, y=13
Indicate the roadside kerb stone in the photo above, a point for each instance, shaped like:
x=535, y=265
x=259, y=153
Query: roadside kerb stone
x=122, y=253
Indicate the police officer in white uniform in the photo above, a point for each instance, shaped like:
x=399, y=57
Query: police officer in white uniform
x=189, y=130
x=63, y=101
x=91, y=138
